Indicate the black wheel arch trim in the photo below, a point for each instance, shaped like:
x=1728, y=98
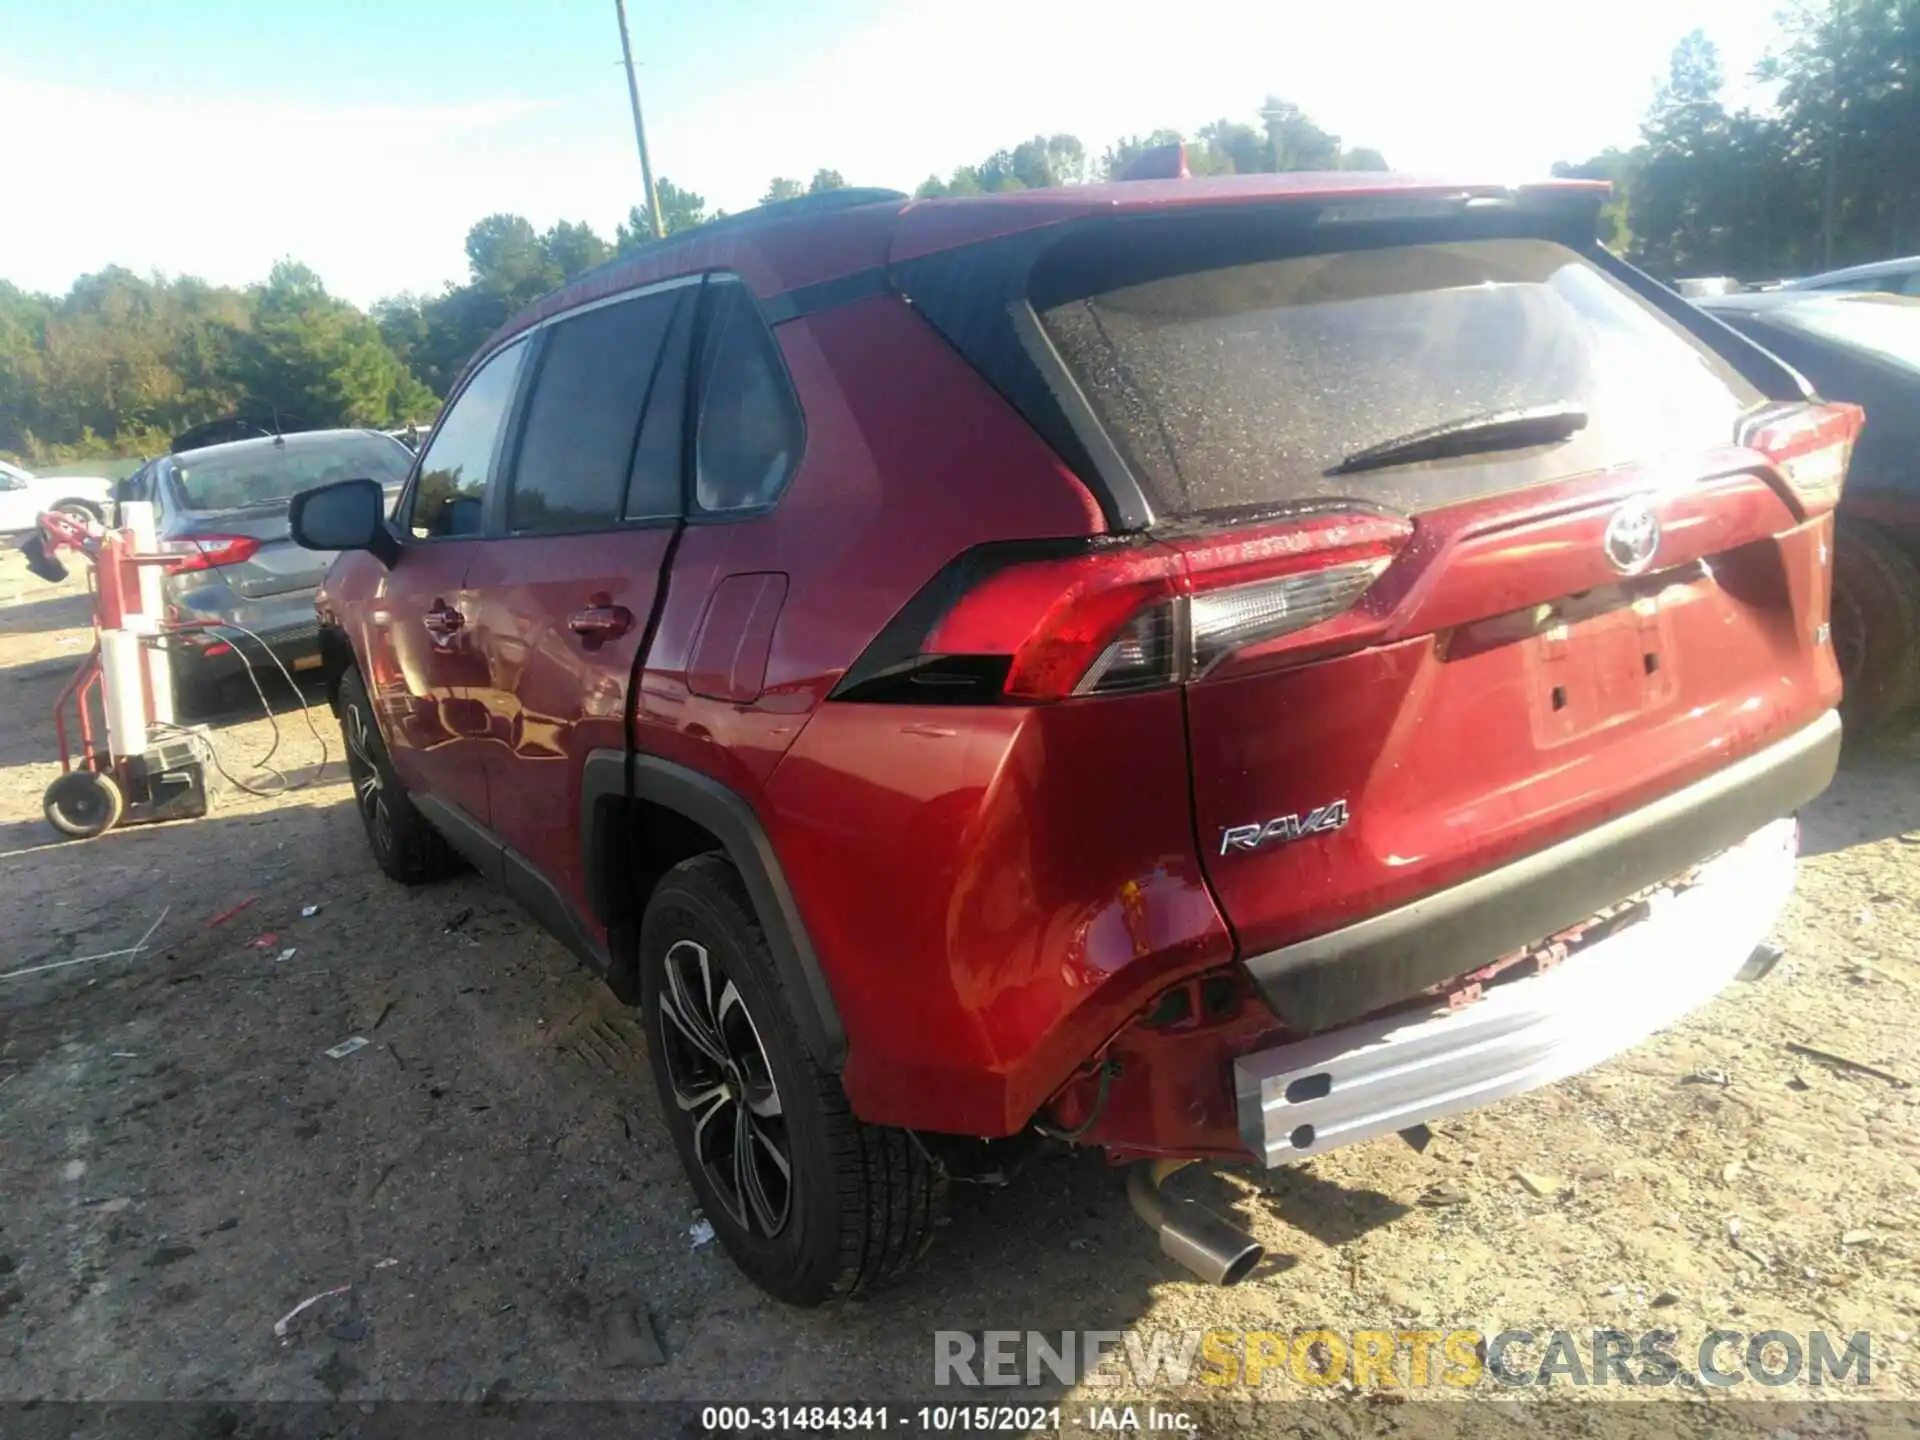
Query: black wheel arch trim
x=336, y=658
x=610, y=779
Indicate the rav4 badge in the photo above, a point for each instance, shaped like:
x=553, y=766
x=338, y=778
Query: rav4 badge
x=1285, y=828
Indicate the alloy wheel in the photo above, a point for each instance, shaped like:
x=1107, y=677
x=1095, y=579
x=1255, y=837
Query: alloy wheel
x=718, y=1070
x=369, y=790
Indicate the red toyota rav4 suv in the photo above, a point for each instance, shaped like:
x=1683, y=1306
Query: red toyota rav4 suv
x=1202, y=668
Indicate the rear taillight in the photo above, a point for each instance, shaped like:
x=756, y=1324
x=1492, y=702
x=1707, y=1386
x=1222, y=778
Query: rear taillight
x=1133, y=616
x=1810, y=446
x=205, y=552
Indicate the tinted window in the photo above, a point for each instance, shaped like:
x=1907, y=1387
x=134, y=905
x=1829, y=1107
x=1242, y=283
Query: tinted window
x=578, y=442
x=1231, y=378
x=749, y=435
x=451, y=494
x=654, y=488
x=268, y=472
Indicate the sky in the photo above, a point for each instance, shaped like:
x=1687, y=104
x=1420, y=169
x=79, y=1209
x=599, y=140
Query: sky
x=213, y=137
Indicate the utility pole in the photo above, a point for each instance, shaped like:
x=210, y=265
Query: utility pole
x=639, y=126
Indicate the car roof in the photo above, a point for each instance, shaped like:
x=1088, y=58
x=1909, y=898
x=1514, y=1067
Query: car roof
x=1874, y=271
x=816, y=239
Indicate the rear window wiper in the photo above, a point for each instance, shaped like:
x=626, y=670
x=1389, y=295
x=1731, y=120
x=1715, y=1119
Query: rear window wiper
x=1469, y=435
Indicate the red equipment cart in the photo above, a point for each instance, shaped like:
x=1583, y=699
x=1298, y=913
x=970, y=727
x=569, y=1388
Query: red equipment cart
x=138, y=766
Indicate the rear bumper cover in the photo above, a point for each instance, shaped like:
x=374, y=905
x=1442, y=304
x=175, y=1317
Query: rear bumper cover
x=292, y=638
x=1360, y=969
x=1400, y=1070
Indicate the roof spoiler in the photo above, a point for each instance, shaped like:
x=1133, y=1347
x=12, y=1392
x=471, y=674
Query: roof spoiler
x=1162, y=162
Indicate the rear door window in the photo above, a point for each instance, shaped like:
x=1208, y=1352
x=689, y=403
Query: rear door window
x=579, y=442
x=1230, y=378
x=450, y=495
x=656, y=486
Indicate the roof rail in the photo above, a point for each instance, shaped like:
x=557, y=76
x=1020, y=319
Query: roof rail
x=845, y=198
x=826, y=201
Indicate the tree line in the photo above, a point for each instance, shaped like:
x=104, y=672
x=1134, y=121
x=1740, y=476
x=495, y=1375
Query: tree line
x=122, y=362
x=1823, y=175
x=1827, y=174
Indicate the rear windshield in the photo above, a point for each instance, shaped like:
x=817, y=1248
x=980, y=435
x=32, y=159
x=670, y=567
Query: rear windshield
x=259, y=472
x=1228, y=385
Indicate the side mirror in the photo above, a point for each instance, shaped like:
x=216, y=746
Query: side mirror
x=346, y=515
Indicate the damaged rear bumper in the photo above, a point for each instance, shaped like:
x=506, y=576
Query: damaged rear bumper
x=1361, y=969
x=1368, y=1079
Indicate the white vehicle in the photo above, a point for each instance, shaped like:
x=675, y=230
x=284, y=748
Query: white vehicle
x=24, y=497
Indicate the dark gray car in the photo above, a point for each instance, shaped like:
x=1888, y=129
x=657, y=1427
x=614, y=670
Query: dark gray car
x=243, y=587
x=1864, y=348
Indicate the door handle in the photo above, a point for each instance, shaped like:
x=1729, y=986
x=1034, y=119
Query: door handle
x=442, y=621
x=601, y=622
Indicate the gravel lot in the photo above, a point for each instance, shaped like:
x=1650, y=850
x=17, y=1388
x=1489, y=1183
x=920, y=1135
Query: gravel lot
x=181, y=1163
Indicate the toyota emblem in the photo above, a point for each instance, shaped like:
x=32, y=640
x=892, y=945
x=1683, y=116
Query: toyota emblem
x=1632, y=538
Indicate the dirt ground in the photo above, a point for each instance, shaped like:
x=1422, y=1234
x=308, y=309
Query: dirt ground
x=181, y=1163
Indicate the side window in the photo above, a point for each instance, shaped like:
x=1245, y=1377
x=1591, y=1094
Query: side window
x=577, y=444
x=1910, y=283
x=749, y=431
x=450, y=496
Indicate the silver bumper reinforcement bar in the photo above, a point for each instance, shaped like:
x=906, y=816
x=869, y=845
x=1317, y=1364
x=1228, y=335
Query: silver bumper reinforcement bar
x=1384, y=1075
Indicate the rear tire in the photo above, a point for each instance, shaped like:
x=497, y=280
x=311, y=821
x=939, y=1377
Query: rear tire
x=404, y=844
x=829, y=1205
x=84, y=803
x=1876, y=628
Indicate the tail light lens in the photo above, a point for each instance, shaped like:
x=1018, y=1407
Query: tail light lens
x=206, y=552
x=1810, y=446
x=1132, y=617
x=1220, y=622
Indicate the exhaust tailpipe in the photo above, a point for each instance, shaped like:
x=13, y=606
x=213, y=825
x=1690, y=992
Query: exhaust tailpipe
x=1215, y=1249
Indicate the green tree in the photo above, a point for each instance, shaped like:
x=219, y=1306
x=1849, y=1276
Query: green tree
x=780, y=188
x=1286, y=139
x=23, y=328
x=1227, y=147
x=315, y=356
x=1294, y=142
x=505, y=256
x=402, y=323
x=1673, y=207
x=571, y=250
x=824, y=180
x=1034, y=164
x=1849, y=117
x=680, y=210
